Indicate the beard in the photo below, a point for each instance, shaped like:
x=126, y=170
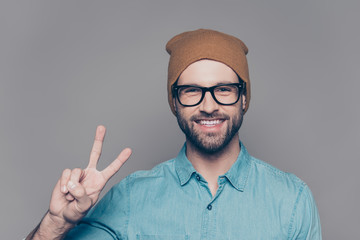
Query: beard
x=209, y=143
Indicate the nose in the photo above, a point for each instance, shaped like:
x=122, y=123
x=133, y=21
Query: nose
x=208, y=104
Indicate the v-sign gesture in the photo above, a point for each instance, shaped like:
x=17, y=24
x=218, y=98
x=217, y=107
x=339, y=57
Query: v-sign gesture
x=77, y=191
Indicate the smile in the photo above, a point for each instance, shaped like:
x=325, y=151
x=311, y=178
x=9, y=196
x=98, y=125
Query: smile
x=209, y=123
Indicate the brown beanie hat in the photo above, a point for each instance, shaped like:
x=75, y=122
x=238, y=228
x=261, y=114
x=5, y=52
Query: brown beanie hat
x=189, y=47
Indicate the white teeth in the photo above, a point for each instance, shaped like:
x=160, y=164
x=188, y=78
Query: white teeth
x=210, y=122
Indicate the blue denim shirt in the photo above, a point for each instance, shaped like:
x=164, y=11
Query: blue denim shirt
x=172, y=201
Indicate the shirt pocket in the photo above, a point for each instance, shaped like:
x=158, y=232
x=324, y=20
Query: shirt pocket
x=162, y=237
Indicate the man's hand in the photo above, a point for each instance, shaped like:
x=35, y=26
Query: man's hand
x=77, y=191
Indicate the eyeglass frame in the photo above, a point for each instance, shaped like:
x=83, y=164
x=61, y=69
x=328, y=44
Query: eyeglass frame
x=241, y=87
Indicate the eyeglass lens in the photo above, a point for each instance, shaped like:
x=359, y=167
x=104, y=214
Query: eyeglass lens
x=224, y=94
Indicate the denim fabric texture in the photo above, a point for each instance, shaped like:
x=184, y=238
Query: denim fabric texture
x=172, y=201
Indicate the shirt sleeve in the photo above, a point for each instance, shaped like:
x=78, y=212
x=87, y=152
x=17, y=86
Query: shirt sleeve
x=305, y=222
x=108, y=219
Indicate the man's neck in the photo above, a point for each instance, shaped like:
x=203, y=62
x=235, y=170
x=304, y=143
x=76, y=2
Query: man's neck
x=213, y=165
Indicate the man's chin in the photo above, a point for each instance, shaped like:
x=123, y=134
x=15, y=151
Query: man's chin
x=208, y=144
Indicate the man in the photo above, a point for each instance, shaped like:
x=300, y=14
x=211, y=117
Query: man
x=212, y=190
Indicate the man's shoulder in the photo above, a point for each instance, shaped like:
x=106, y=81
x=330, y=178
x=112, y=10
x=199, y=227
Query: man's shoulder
x=271, y=175
x=282, y=189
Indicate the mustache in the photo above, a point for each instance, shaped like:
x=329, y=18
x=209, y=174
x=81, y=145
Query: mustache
x=206, y=116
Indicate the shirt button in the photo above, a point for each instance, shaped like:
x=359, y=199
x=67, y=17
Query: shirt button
x=209, y=207
x=198, y=177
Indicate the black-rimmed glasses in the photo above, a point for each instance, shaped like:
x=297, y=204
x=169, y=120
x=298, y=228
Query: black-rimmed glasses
x=223, y=94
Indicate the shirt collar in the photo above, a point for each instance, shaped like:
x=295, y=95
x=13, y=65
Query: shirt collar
x=237, y=174
x=239, y=171
x=183, y=166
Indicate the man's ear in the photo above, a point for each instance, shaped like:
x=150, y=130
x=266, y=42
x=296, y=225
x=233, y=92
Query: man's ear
x=174, y=104
x=243, y=99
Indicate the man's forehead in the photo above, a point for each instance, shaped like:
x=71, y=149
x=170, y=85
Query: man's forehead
x=208, y=72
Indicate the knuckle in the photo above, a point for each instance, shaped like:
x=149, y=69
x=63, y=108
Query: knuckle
x=76, y=171
x=95, y=152
x=66, y=172
x=79, y=192
x=113, y=169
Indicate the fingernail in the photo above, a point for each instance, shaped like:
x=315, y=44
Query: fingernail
x=64, y=189
x=71, y=185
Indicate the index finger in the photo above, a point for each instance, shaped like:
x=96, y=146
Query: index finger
x=97, y=146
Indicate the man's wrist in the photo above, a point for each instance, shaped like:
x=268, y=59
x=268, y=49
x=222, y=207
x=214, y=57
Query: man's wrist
x=52, y=227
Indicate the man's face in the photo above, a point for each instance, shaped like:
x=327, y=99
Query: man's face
x=209, y=126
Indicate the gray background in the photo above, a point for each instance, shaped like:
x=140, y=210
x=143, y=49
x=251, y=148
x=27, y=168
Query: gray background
x=67, y=66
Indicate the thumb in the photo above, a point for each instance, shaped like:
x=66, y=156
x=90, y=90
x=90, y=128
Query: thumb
x=82, y=201
x=77, y=208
